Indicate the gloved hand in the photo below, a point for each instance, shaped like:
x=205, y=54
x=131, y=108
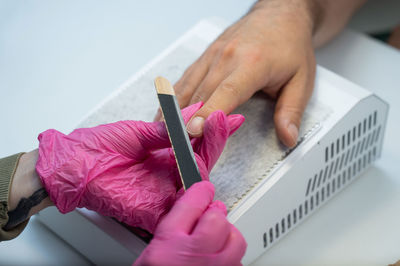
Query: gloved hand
x=126, y=169
x=195, y=232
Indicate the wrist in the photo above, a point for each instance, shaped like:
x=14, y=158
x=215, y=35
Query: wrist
x=303, y=14
x=26, y=196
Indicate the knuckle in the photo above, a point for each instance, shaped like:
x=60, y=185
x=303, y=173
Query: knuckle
x=209, y=107
x=215, y=47
x=230, y=89
x=215, y=218
x=229, y=49
x=197, y=97
x=187, y=85
x=183, y=93
x=294, y=112
x=255, y=55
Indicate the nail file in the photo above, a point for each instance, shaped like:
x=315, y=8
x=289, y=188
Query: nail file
x=178, y=136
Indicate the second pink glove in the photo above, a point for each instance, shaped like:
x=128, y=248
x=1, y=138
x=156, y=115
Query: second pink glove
x=195, y=232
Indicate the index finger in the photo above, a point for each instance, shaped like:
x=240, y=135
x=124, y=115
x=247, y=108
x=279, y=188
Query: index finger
x=230, y=93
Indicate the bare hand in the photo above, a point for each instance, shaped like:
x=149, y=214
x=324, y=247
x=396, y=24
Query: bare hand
x=269, y=49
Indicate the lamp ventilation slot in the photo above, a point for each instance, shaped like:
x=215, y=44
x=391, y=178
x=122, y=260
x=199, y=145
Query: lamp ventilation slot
x=345, y=158
x=346, y=149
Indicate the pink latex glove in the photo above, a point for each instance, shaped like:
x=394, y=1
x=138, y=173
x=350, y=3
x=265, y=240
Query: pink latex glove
x=195, y=232
x=126, y=169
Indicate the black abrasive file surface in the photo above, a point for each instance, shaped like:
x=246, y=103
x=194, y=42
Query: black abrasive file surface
x=180, y=140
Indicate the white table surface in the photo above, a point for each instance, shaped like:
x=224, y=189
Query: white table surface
x=59, y=59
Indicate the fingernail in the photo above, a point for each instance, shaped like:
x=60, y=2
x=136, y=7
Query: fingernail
x=195, y=126
x=294, y=132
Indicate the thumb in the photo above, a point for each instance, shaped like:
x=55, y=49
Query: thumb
x=187, y=209
x=152, y=135
x=290, y=107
